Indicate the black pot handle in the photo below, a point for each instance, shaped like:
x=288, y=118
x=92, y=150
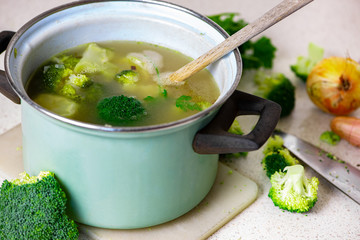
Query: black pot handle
x=5, y=87
x=215, y=138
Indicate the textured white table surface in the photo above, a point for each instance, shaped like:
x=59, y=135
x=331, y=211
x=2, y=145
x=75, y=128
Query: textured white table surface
x=332, y=24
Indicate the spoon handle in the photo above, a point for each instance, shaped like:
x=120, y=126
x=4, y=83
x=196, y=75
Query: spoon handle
x=274, y=15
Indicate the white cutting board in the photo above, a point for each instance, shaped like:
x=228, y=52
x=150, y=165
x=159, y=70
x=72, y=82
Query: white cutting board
x=231, y=193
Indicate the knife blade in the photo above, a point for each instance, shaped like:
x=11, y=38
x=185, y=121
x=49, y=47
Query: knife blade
x=342, y=175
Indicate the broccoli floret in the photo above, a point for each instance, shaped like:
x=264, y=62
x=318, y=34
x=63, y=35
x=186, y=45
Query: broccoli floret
x=276, y=157
x=292, y=191
x=330, y=138
x=276, y=87
x=58, y=104
x=277, y=161
x=273, y=144
x=34, y=208
x=80, y=80
x=127, y=77
x=120, y=109
x=304, y=65
x=70, y=92
x=53, y=75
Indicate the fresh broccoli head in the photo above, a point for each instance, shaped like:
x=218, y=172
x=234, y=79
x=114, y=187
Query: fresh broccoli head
x=292, y=191
x=127, y=77
x=273, y=144
x=120, y=109
x=304, y=65
x=277, y=161
x=276, y=157
x=34, y=208
x=276, y=87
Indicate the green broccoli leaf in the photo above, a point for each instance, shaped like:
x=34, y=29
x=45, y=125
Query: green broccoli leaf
x=228, y=23
x=185, y=103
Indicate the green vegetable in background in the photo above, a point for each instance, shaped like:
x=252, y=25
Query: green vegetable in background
x=255, y=54
x=34, y=208
x=278, y=88
x=304, y=65
x=330, y=137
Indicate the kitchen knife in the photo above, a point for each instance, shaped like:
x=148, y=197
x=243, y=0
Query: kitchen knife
x=344, y=176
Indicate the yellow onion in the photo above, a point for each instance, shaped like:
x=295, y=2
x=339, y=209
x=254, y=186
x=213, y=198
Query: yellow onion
x=347, y=128
x=334, y=85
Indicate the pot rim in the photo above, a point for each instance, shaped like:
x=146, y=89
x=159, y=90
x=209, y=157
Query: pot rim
x=109, y=128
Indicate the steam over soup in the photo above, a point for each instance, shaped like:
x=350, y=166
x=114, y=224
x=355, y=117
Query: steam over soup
x=115, y=83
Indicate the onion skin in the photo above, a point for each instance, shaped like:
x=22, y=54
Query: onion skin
x=334, y=85
x=347, y=128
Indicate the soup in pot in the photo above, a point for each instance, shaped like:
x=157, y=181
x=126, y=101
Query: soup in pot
x=116, y=83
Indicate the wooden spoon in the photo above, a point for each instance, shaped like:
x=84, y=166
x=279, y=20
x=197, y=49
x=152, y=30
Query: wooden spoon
x=276, y=14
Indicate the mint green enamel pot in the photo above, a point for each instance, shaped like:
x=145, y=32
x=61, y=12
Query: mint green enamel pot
x=129, y=177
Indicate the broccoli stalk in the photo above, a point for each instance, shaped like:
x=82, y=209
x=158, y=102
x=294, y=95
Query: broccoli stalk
x=34, y=208
x=292, y=191
x=276, y=87
x=120, y=109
